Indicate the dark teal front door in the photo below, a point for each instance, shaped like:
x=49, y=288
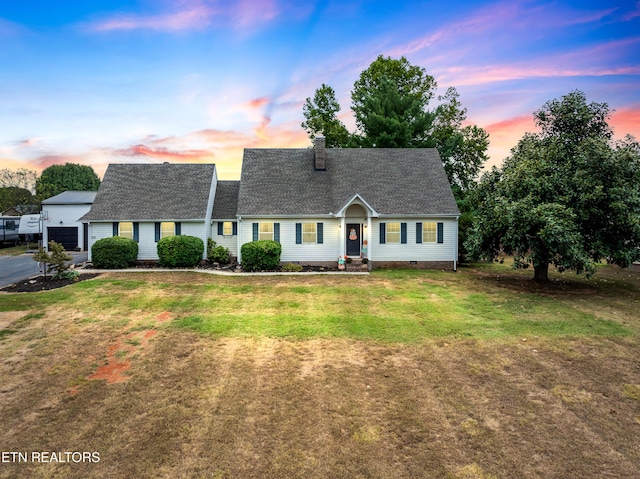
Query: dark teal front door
x=353, y=239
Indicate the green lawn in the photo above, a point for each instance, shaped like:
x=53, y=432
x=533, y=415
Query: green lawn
x=389, y=306
x=479, y=374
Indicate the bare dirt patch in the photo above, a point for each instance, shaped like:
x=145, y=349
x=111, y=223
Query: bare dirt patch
x=270, y=408
x=119, y=356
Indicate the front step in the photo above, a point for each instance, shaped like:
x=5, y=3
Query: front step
x=356, y=266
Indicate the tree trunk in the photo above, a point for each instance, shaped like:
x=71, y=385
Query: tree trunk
x=541, y=272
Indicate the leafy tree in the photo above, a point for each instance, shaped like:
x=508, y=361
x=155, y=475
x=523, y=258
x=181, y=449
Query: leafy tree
x=463, y=150
x=56, y=260
x=12, y=196
x=567, y=196
x=68, y=177
x=390, y=103
x=16, y=187
x=321, y=117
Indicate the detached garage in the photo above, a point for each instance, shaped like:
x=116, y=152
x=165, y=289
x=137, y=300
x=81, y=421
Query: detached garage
x=62, y=215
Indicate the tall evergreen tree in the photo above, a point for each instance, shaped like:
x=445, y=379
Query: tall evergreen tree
x=390, y=103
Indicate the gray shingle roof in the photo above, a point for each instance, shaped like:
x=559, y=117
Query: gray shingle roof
x=225, y=204
x=399, y=181
x=71, y=198
x=153, y=192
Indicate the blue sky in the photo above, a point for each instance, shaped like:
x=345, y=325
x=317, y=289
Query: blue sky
x=103, y=81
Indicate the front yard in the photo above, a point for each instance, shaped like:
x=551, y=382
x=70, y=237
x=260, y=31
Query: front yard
x=475, y=374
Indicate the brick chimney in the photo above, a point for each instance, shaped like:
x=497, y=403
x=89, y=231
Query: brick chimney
x=319, y=153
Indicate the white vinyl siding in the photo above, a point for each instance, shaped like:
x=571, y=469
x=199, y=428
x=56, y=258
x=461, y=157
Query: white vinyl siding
x=412, y=251
x=229, y=241
x=328, y=250
x=147, y=246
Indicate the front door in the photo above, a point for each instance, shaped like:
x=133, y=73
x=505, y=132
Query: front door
x=353, y=239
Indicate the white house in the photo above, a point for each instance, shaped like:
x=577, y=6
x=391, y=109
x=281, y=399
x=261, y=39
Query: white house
x=61, y=219
x=391, y=206
x=146, y=202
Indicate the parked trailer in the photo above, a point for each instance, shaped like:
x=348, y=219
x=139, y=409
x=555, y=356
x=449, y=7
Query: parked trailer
x=30, y=228
x=9, y=230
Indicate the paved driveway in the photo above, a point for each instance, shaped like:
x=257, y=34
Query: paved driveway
x=16, y=268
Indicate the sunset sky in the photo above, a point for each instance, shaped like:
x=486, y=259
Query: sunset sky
x=104, y=81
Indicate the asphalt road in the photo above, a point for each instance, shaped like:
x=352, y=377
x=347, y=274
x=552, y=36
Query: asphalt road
x=17, y=268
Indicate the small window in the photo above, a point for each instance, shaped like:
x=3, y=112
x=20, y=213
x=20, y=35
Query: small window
x=265, y=231
x=227, y=228
x=125, y=229
x=167, y=229
x=309, y=233
x=429, y=232
x=393, y=233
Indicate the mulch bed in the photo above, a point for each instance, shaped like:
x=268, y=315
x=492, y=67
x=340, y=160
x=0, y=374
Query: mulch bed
x=41, y=284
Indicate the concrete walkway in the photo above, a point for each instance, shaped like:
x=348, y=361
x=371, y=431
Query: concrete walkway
x=220, y=272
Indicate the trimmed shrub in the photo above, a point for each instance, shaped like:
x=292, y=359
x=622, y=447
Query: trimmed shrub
x=292, y=268
x=219, y=254
x=114, y=253
x=180, y=251
x=261, y=255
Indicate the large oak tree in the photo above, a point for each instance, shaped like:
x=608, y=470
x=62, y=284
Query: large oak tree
x=568, y=196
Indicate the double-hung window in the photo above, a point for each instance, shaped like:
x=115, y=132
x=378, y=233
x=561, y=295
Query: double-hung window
x=265, y=231
x=429, y=232
x=393, y=233
x=309, y=233
x=167, y=228
x=125, y=229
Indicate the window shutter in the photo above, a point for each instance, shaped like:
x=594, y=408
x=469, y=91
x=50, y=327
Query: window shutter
x=234, y=225
x=320, y=232
x=136, y=232
x=298, y=233
x=115, y=228
x=418, y=233
x=255, y=231
x=276, y=232
x=220, y=228
x=440, y=232
x=178, y=229
x=383, y=233
x=403, y=233
x=157, y=232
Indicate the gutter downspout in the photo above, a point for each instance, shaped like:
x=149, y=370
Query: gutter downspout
x=455, y=259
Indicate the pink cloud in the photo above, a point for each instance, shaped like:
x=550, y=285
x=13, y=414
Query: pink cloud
x=626, y=121
x=165, y=154
x=194, y=15
x=259, y=102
